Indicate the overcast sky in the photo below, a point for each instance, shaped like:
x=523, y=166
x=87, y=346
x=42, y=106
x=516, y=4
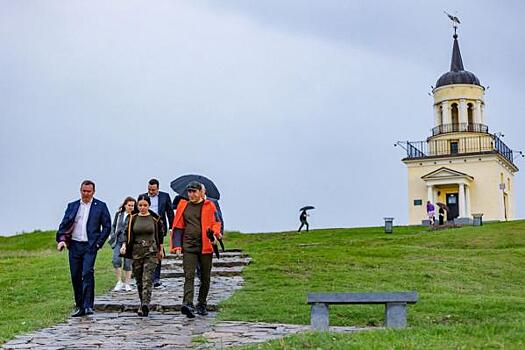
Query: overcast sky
x=281, y=103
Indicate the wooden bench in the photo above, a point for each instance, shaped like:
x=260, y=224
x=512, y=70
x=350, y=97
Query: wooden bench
x=395, y=306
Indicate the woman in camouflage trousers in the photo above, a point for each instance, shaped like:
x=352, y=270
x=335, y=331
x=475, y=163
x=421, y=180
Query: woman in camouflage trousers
x=145, y=246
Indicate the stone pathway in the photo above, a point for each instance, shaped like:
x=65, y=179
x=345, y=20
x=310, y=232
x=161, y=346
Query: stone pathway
x=115, y=324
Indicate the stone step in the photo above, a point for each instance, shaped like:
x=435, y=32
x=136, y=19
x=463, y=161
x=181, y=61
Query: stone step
x=133, y=307
x=223, y=262
x=223, y=271
x=226, y=254
x=169, y=297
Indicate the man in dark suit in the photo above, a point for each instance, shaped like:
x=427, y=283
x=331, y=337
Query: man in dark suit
x=161, y=205
x=84, y=229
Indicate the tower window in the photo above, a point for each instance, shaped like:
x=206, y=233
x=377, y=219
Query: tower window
x=470, y=116
x=454, y=147
x=455, y=117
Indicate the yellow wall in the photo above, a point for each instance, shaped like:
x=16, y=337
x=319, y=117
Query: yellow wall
x=457, y=91
x=485, y=194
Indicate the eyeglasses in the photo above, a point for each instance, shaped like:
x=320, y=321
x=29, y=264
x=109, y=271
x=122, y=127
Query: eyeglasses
x=191, y=190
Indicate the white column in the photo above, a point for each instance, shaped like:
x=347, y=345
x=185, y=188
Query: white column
x=483, y=116
x=430, y=194
x=477, y=113
x=447, y=116
x=467, y=201
x=437, y=115
x=463, y=118
x=462, y=211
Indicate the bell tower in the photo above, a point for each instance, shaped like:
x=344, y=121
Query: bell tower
x=461, y=165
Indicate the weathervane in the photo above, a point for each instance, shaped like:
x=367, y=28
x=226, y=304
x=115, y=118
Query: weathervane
x=455, y=22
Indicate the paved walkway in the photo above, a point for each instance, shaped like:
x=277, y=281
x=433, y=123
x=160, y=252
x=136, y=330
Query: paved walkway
x=116, y=325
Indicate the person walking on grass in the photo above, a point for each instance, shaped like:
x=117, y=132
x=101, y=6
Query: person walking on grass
x=194, y=219
x=83, y=231
x=144, y=245
x=304, y=222
x=117, y=237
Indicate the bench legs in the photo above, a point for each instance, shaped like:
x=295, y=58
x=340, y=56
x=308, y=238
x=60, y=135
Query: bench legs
x=319, y=316
x=396, y=315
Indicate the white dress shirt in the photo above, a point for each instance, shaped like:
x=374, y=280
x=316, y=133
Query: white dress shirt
x=80, y=230
x=154, y=203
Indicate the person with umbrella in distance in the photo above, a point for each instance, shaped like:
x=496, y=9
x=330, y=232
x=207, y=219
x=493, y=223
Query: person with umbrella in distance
x=441, y=212
x=303, y=218
x=194, y=227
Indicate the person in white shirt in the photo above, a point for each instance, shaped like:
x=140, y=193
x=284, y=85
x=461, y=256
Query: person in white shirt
x=83, y=231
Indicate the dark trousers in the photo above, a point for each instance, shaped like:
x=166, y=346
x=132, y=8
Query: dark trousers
x=189, y=263
x=156, y=274
x=302, y=224
x=82, y=266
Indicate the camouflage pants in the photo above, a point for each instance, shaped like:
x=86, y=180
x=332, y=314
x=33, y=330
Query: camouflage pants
x=144, y=264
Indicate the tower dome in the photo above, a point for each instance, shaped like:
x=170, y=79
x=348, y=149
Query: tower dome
x=457, y=73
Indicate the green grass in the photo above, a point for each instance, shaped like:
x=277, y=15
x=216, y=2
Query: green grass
x=469, y=280
x=35, y=285
x=470, y=284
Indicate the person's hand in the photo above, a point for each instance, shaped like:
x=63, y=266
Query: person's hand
x=160, y=253
x=123, y=249
x=61, y=246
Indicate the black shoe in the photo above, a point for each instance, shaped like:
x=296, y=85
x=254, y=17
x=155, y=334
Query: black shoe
x=88, y=311
x=201, y=310
x=187, y=310
x=145, y=310
x=157, y=284
x=79, y=312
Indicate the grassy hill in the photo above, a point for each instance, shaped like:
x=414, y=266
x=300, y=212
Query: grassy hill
x=470, y=284
x=35, y=284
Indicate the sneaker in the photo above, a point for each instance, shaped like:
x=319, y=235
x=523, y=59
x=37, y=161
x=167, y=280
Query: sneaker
x=201, y=310
x=187, y=310
x=118, y=286
x=127, y=287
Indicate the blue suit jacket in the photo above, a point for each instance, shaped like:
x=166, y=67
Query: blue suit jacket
x=98, y=225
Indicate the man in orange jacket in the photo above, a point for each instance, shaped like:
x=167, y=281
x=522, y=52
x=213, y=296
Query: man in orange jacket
x=193, y=220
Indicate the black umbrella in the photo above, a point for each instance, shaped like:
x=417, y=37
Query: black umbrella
x=212, y=238
x=179, y=185
x=308, y=207
x=443, y=206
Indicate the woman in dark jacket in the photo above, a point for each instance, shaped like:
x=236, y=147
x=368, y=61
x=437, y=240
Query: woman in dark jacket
x=117, y=237
x=145, y=246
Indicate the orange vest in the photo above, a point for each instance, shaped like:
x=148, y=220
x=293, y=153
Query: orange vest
x=208, y=221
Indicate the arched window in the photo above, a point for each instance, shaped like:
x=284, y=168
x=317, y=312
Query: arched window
x=455, y=117
x=470, y=116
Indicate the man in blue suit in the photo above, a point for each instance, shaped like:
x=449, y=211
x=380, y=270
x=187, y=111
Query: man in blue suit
x=84, y=229
x=161, y=205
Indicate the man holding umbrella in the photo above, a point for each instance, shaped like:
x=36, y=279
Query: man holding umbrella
x=303, y=217
x=194, y=227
